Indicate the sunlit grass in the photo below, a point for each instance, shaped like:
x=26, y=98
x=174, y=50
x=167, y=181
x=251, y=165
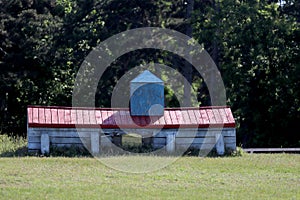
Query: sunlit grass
x=250, y=176
x=263, y=176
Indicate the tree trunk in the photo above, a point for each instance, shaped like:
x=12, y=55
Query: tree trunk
x=188, y=69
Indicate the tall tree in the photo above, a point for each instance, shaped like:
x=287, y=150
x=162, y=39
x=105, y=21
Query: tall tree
x=258, y=49
x=187, y=71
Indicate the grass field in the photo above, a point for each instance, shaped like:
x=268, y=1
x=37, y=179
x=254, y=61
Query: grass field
x=256, y=176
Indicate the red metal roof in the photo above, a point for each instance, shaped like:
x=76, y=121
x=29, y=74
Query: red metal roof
x=68, y=117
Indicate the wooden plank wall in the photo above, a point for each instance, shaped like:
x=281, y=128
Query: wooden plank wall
x=203, y=138
x=61, y=137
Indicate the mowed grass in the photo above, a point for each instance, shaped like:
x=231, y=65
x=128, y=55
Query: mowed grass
x=257, y=176
x=251, y=176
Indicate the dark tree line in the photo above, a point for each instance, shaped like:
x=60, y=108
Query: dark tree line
x=255, y=45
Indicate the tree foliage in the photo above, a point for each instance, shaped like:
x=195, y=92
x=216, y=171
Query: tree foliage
x=255, y=45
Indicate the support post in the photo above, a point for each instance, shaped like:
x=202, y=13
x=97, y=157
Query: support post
x=220, y=147
x=170, y=146
x=45, y=143
x=95, y=142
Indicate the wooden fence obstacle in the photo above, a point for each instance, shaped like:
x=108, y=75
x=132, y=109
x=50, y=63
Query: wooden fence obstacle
x=201, y=128
x=270, y=150
x=204, y=128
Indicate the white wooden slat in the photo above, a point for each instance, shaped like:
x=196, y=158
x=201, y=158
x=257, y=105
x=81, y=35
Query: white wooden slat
x=34, y=139
x=158, y=145
x=229, y=140
x=162, y=140
x=56, y=139
x=33, y=150
x=62, y=140
x=206, y=146
x=37, y=139
x=210, y=140
x=194, y=140
x=159, y=140
x=194, y=145
x=60, y=134
x=69, y=145
x=65, y=129
x=37, y=146
x=199, y=133
x=34, y=146
x=231, y=146
x=251, y=150
x=183, y=132
x=86, y=141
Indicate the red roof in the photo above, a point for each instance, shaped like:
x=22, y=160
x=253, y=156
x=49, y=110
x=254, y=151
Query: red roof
x=68, y=117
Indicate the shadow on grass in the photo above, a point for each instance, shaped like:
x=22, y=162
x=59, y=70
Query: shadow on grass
x=72, y=151
x=54, y=152
x=19, y=152
x=75, y=151
x=17, y=147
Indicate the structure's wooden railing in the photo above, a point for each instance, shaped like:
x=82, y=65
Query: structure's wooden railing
x=253, y=150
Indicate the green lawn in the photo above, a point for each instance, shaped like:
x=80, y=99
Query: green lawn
x=257, y=176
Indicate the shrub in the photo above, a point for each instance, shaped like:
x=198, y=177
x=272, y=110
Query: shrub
x=12, y=146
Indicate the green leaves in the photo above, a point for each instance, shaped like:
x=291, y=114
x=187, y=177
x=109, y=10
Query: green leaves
x=254, y=43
